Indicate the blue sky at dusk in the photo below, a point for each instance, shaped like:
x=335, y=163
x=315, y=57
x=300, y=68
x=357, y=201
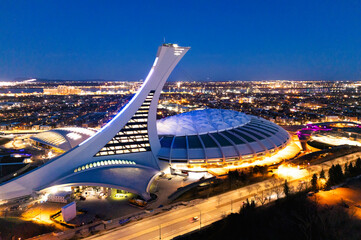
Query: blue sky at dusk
x=230, y=40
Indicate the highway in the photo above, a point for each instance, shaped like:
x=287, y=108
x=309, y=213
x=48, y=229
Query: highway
x=175, y=222
x=178, y=221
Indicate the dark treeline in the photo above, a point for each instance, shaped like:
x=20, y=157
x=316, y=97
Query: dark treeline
x=295, y=217
x=337, y=176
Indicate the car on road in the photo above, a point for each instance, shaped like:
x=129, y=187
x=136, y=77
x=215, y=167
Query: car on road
x=310, y=194
x=194, y=219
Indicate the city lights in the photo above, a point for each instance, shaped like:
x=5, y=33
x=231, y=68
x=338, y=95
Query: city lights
x=291, y=172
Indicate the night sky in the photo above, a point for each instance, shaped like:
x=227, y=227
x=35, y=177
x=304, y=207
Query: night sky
x=230, y=40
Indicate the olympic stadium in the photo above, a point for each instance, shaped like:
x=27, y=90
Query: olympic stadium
x=131, y=150
x=202, y=138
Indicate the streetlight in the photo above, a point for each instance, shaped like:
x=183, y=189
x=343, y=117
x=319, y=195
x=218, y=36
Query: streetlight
x=200, y=219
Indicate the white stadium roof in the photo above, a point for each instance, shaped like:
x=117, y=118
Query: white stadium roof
x=63, y=138
x=201, y=121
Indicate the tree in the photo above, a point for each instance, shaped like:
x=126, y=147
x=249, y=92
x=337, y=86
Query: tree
x=277, y=187
x=261, y=197
x=233, y=176
x=255, y=169
x=351, y=169
x=314, y=181
x=300, y=186
x=263, y=170
x=358, y=166
x=242, y=176
x=247, y=207
x=286, y=188
x=339, y=177
x=335, y=175
x=331, y=176
x=322, y=174
x=346, y=170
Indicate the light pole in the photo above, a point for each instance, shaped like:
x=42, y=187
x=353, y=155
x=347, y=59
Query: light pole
x=200, y=219
x=160, y=232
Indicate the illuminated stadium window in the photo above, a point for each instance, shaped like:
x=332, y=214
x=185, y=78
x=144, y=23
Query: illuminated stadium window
x=133, y=137
x=196, y=161
x=247, y=156
x=108, y=162
x=215, y=160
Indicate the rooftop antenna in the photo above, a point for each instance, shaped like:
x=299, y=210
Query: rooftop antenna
x=163, y=39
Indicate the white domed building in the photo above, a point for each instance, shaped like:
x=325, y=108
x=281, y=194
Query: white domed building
x=216, y=137
x=202, y=138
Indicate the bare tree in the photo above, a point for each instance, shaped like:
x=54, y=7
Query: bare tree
x=300, y=186
x=277, y=187
x=261, y=197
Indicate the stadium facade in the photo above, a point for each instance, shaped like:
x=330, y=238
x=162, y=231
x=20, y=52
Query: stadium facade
x=217, y=138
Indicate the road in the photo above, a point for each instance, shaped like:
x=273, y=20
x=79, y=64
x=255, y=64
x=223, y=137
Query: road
x=175, y=222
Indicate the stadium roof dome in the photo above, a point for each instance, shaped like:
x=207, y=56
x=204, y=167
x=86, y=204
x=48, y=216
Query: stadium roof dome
x=200, y=122
x=215, y=135
x=63, y=138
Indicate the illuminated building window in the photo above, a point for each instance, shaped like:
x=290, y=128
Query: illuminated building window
x=133, y=137
x=247, y=156
x=102, y=163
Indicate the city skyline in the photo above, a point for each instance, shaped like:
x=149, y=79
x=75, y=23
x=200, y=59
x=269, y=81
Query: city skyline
x=231, y=41
x=106, y=132
x=215, y=147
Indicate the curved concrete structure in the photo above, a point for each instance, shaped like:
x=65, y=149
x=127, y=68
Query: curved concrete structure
x=63, y=138
x=218, y=136
x=133, y=179
x=131, y=135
